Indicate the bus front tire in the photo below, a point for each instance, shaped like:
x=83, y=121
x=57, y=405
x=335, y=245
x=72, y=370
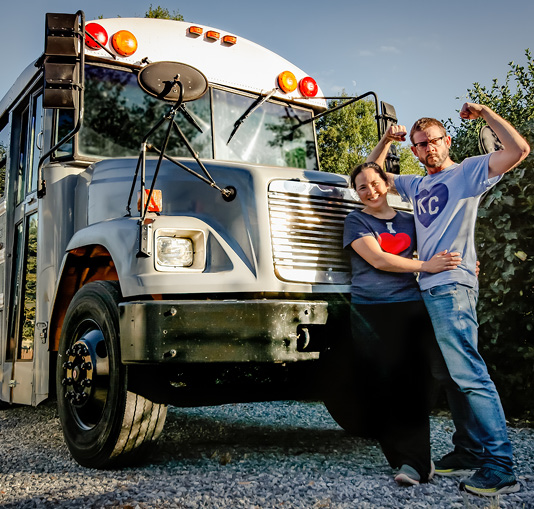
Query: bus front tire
x=104, y=423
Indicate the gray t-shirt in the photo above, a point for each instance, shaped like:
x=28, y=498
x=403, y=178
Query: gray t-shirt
x=445, y=209
x=395, y=236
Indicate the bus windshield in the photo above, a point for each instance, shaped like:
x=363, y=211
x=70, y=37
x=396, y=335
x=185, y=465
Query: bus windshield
x=118, y=115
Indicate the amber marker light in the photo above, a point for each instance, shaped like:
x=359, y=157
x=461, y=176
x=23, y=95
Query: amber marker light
x=229, y=39
x=194, y=30
x=98, y=32
x=124, y=43
x=212, y=34
x=287, y=81
x=308, y=87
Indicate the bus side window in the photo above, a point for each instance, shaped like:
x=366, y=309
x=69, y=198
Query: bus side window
x=22, y=157
x=4, y=149
x=28, y=139
x=36, y=142
x=64, y=123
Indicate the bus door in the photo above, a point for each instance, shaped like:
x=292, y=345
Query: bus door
x=25, y=351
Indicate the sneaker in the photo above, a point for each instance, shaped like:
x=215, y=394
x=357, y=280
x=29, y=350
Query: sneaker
x=457, y=463
x=407, y=475
x=489, y=482
x=432, y=470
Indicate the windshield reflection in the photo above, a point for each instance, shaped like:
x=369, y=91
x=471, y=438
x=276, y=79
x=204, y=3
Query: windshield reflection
x=118, y=115
x=267, y=136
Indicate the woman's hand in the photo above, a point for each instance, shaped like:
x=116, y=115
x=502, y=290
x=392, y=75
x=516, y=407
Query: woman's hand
x=442, y=261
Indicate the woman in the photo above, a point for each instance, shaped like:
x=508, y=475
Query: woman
x=390, y=326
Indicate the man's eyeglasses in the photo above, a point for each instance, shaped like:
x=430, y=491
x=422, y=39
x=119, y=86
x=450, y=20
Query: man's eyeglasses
x=435, y=142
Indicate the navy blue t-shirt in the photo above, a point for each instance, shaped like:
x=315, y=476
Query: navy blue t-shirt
x=395, y=236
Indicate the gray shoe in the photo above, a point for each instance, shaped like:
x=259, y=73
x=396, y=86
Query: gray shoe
x=407, y=476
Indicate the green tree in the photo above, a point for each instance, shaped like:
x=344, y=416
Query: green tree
x=347, y=136
x=505, y=243
x=162, y=13
x=408, y=163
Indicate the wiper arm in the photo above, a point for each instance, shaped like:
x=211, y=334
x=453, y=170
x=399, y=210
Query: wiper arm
x=255, y=105
x=189, y=117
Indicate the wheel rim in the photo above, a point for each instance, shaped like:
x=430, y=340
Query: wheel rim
x=86, y=375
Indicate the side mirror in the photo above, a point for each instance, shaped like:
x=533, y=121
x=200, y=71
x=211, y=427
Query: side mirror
x=63, y=67
x=488, y=141
x=388, y=117
x=63, y=48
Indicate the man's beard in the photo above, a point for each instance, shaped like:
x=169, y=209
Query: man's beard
x=436, y=160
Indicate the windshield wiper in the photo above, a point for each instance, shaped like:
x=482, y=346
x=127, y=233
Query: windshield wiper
x=255, y=105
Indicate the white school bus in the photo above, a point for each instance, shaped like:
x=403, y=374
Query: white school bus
x=166, y=236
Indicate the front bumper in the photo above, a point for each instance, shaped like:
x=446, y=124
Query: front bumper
x=218, y=331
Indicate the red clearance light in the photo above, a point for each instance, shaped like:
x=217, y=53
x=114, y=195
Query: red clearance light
x=98, y=32
x=287, y=81
x=308, y=87
x=156, y=201
x=196, y=30
x=124, y=43
x=229, y=39
x=212, y=34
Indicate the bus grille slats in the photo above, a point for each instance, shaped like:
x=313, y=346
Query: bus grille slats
x=307, y=235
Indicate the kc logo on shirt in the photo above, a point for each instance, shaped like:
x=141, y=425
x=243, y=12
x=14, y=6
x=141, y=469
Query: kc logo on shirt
x=430, y=204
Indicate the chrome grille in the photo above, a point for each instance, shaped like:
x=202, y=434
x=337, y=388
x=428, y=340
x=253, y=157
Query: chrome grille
x=307, y=231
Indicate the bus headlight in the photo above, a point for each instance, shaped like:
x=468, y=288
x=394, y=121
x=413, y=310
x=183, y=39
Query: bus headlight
x=174, y=252
x=178, y=250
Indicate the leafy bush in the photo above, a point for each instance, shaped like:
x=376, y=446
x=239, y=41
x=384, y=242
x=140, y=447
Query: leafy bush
x=505, y=244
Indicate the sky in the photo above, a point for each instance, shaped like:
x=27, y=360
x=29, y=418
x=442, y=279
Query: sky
x=420, y=56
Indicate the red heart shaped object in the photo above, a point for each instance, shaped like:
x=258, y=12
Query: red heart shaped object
x=394, y=244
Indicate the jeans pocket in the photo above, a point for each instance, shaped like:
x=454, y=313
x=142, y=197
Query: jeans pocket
x=443, y=290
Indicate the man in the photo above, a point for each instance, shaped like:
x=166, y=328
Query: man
x=445, y=205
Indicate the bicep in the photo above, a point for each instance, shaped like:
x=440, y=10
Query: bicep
x=500, y=162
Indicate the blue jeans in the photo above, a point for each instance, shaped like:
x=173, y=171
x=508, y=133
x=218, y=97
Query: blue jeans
x=473, y=399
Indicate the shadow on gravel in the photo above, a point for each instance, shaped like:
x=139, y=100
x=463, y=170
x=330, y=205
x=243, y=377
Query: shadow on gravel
x=188, y=436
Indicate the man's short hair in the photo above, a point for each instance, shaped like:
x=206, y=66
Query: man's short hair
x=424, y=123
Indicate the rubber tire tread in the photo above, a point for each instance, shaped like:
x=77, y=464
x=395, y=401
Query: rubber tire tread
x=142, y=420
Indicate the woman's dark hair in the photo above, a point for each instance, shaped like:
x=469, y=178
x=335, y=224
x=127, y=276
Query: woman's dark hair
x=356, y=171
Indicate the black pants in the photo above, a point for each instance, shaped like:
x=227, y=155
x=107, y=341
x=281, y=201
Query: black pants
x=390, y=344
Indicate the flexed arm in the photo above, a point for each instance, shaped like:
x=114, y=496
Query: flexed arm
x=380, y=152
x=515, y=146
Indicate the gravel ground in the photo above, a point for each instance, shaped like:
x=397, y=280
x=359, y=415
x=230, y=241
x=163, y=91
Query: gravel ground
x=264, y=455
